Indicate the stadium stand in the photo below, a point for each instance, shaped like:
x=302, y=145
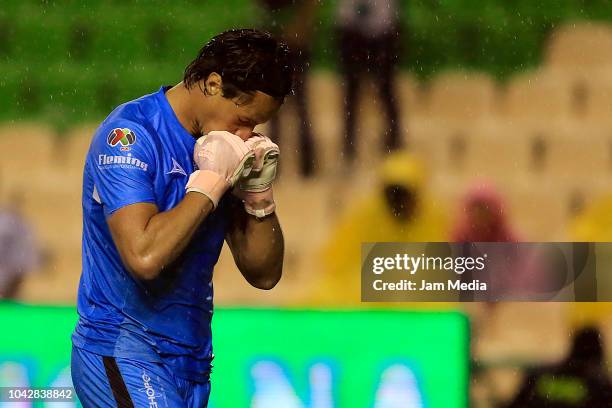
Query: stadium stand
x=462, y=97
x=537, y=97
x=580, y=47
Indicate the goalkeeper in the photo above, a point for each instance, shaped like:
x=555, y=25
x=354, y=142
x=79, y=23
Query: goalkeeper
x=167, y=179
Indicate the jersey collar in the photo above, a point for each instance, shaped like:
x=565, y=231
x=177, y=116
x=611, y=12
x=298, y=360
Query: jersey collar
x=170, y=115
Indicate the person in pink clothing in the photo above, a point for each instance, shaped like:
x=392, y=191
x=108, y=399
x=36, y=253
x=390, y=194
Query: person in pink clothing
x=510, y=270
x=484, y=217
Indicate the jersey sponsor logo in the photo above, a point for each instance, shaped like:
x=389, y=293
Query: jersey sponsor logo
x=123, y=137
x=127, y=162
x=176, y=168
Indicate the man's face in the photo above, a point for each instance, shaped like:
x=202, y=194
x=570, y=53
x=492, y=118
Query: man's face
x=401, y=201
x=238, y=115
x=480, y=216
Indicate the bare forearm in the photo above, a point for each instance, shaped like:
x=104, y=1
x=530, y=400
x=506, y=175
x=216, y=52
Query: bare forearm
x=258, y=249
x=166, y=234
x=169, y=232
x=263, y=243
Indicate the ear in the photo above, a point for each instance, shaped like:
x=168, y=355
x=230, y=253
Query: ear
x=213, y=84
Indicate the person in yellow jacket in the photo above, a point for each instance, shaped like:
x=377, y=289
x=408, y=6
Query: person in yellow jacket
x=594, y=224
x=398, y=210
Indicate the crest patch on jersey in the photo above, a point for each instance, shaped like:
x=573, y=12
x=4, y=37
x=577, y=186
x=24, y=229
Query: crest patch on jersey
x=123, y=137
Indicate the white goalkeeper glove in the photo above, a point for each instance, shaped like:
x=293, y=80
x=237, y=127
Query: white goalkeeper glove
x=255, y=189
x=222, y=158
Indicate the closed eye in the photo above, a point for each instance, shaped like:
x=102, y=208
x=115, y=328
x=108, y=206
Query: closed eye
x=246, y=122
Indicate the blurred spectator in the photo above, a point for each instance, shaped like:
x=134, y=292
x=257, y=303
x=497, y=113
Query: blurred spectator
x=19, y=251
x=484, y=217
x=368, y=41
x=399, y=211
x=511, y=270
x=293, y=21
x=594, y=223
x=580, y=381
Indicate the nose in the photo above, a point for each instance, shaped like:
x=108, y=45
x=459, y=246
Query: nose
x=244, y=132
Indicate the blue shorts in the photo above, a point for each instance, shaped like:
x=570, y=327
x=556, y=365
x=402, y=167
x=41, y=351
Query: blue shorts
x=101, y=381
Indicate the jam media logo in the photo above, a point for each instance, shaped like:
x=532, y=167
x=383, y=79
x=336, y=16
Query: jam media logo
x=121, y=136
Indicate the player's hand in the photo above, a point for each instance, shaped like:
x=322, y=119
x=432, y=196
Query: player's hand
x=255, y=189
x=222, y=158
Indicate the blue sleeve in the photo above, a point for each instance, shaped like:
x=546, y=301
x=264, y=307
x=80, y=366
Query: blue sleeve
x=123, y=164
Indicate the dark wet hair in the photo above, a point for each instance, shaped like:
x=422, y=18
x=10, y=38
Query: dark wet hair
x=587, y=346
x=248, y=60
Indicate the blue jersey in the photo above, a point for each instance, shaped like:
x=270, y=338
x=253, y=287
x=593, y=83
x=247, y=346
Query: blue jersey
x=142, y=154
